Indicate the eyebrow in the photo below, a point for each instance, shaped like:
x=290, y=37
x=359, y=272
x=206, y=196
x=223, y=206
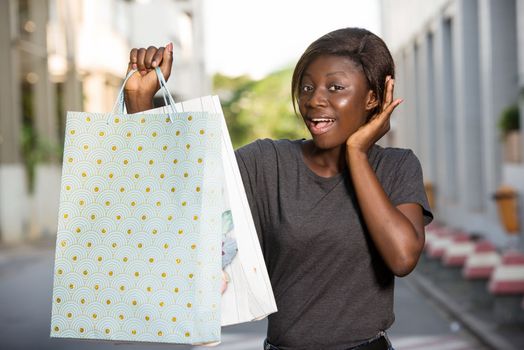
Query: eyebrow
x=330, y=73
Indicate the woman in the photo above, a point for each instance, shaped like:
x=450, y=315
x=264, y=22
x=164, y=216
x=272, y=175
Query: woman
x=338, y=217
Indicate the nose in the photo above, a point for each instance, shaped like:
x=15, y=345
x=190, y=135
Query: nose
x=317, y=98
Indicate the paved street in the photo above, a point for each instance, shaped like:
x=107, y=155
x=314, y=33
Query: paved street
x=420, y=323
x=25, y=308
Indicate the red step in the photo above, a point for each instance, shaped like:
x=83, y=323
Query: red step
x=481, y=263
x=508, y=276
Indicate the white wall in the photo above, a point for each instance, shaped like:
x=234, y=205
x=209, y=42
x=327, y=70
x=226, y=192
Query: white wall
x=402, y=20
x=453, y=100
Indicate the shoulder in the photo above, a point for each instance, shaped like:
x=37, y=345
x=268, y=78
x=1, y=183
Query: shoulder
x=390, y=152
x=264, y=157
x=391, y=157
x=265, y=148
x=391, y=163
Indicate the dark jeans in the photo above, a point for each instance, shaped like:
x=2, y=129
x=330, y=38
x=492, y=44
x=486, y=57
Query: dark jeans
x=382, y=334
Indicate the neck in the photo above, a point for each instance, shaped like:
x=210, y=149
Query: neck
x=327, y=161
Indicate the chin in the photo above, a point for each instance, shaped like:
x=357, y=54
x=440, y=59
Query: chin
x=325, y=142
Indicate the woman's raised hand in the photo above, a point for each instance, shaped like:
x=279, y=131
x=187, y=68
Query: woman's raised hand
x=369, y=133
x=142, y=86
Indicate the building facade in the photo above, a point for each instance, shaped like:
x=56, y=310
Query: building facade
x=460, y=65
x=61, y=56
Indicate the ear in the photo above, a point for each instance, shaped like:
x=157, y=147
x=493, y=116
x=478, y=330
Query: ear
x=371, y=100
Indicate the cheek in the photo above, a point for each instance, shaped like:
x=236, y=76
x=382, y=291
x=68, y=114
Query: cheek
x=350, y=103
x=301, y=109
x=353, y=107
x=354, y=116
x=344, y=103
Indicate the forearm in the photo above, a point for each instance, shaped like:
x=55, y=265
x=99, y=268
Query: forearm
x=391, y=231
x=136, y=103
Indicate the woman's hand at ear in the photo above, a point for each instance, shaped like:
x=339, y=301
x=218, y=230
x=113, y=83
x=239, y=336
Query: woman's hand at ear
x=396, y=231
x=369, y=133
x=143, y=84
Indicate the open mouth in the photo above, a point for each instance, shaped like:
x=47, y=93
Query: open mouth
x=319, y=126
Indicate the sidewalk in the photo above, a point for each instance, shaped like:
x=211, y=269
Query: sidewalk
x=24, y=253
x=451, y=294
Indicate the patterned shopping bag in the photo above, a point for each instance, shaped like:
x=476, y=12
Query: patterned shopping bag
x=152, y=209
x=138, y=254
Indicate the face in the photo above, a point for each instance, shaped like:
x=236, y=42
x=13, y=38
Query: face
x=334, y=100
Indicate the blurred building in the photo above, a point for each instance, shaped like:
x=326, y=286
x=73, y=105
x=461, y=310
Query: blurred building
x=60, y=55
x=460, y=64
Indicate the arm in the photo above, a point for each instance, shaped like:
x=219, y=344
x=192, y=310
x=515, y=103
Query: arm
x=142, y=86
x=397, y=232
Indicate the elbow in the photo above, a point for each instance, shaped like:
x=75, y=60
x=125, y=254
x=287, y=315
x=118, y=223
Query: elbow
x=406, y=257
x=404, y=265
x=403, y=271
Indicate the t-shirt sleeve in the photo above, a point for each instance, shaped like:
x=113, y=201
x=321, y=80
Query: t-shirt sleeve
x=408, y=185
x=249, y=170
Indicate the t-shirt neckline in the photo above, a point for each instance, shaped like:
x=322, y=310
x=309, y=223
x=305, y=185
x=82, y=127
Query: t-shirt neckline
x=311, y=173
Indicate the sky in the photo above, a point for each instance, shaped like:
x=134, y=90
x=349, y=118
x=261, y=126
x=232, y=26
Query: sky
x=257, y=37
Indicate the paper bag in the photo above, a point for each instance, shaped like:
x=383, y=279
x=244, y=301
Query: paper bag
x=138, y=253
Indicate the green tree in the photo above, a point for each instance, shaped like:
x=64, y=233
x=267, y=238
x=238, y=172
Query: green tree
x=259, y=109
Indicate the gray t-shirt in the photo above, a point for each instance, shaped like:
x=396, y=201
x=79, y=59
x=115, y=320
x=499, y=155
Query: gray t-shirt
x=331, y=286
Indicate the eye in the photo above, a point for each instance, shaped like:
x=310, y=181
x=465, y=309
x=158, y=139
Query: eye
x=336, y=87
x=306, y=88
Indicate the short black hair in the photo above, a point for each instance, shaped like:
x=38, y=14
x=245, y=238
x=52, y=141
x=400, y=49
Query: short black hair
x=365, y=49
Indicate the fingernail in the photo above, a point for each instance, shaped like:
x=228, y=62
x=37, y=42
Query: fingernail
x=153, y=64
x=170, y=47
x=134, y=66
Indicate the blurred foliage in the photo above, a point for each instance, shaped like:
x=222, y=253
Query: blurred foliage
x=509, y=120
x=259, y=108
x=35, y=149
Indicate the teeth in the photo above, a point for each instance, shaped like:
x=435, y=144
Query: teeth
x=322, y=120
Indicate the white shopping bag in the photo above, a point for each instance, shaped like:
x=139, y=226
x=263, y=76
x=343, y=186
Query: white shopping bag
x=249, y=295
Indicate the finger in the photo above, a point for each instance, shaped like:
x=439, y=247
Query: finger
x=157, y=58
x=132, y=59
x=148, y=59
x=392, y=106
x=386, y=113
x=167, y=61
x=388, y=93
x=140, y=60
x=391, y=90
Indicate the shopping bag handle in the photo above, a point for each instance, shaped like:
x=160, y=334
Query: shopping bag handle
x=120, y=107
x=169, y=101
